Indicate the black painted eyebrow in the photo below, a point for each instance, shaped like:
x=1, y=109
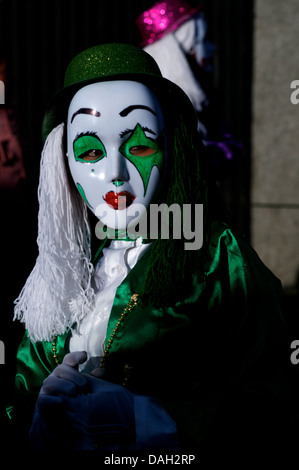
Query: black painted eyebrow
x=82, y=134
x=129, y=109
x=91, y=111
x=129, y=131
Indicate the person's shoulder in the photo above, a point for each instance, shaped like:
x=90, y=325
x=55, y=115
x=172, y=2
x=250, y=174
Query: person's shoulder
x=226, y=243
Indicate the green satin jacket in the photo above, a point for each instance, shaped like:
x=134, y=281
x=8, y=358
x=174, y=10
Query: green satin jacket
x=216, y=358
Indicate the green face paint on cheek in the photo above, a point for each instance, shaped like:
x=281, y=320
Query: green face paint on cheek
x=144, y=153
x=83, y=195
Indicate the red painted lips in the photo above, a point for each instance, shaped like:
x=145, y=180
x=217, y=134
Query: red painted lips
x=119, y=201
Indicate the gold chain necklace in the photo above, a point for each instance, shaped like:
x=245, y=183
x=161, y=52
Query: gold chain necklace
x=128, y=308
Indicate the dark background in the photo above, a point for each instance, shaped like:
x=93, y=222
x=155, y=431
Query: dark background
x=40, y=38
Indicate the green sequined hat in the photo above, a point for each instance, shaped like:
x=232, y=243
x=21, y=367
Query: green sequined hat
x=115, y=62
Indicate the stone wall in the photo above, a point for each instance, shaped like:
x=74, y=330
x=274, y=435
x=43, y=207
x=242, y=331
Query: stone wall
x=275, y=138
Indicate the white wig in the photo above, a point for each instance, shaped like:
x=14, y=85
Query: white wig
x=58, y=292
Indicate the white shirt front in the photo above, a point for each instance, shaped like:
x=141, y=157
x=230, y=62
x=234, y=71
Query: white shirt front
x=117, y=261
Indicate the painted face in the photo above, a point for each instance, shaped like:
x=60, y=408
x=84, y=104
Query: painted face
x=116, y=148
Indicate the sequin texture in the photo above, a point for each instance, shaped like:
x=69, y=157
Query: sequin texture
x=109, y=60
x=162, y=18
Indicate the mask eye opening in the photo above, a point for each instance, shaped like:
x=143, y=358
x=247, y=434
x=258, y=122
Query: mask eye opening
x=141, y=151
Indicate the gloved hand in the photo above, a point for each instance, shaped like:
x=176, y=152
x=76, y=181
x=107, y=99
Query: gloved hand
x=65, y=380
x=81, y=411
x=84, y=412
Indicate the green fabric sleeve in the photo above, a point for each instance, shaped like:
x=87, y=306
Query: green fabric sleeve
x=35, y=361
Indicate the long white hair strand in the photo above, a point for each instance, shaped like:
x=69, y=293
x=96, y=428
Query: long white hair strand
x=58, y=292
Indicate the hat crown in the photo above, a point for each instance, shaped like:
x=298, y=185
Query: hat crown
x=107, y=60
x=114, y=61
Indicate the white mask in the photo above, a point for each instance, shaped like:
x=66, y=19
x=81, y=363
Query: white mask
x=115, y=147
